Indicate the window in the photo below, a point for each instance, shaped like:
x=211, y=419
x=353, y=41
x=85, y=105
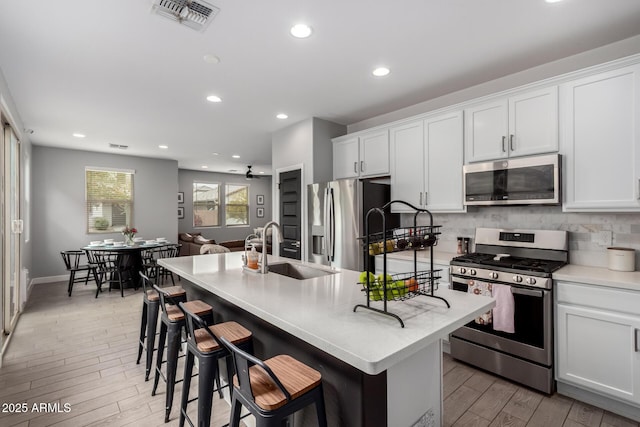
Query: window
x=237, y=204
x=109, y=199
x=206, y=204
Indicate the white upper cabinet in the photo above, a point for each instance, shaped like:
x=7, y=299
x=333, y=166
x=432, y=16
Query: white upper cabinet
x=520, y=125
x=600, y=141
x=346, y=159
x=426, y=163
x=362, y=156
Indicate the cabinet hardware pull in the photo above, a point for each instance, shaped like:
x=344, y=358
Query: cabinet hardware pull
x=425, y=198
x=420, y=198
x=361, y=165
x=511, y=143
x=638, y=188
x=504, y=138
x=355, y=167
x=637, y=339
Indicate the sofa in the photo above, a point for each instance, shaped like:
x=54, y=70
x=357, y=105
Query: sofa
x=192, y=244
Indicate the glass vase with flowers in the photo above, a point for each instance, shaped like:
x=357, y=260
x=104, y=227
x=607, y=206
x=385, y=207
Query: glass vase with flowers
x=129, y=233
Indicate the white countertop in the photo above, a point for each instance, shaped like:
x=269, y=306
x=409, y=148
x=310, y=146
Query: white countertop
x=599, y=276
x=320, y=310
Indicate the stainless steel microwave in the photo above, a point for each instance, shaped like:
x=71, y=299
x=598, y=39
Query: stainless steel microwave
x=520, y=181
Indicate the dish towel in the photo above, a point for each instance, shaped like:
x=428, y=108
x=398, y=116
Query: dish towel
x=481, y=288
x=504, y=310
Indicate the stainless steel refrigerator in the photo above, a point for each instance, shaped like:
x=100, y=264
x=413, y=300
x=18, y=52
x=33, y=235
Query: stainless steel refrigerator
x=336, y=216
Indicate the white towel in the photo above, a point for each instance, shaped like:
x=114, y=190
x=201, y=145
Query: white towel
x=504, y=310
x=481, y=288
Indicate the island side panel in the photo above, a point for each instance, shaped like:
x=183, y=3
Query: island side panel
x=352, y=398
x=414, y=389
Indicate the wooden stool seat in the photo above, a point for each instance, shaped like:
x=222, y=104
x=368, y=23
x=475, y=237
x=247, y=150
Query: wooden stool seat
x=173, y=291
x=196, y=306
x=232, y=331
x=295, y=376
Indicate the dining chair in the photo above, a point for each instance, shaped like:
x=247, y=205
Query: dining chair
x=113, y=268
x=72, y=263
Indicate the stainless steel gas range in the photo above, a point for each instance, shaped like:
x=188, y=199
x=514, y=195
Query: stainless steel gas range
x=515, y=340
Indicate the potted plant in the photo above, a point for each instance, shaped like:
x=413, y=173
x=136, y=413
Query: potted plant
x=100, y=223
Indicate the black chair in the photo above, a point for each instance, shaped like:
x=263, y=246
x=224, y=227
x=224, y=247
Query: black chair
x=171, y=327
x=202, y=342
x=112, y=268
x=72, y=264
x=149, y=321
x=169, y=251
x=273, y=389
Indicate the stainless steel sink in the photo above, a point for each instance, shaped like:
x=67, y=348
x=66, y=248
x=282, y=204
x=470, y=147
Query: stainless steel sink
x=295, y=271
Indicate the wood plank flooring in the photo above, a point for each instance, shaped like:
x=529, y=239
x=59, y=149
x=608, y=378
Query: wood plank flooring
x=81, y=352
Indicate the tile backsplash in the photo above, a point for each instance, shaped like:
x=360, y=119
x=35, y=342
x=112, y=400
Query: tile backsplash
x=589, y=233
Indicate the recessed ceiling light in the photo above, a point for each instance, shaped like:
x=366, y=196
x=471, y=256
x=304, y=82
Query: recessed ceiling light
x=204, y=167
x=381, y=72
x=553, y=1
x=79, y=135
x=163, y=147
x=214, y=98
x=282, y=116
x=236, y=156
x=301, y=31
x=261, y=173
x=210, y=58
x=215, y=154
x=233, y=170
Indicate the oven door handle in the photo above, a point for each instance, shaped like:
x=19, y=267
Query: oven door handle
x=528, y=292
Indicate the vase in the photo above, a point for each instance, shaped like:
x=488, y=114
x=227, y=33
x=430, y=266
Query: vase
x=128, y=240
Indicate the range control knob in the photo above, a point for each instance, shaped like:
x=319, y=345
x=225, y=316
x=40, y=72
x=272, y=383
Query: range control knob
x=472, y=272
x=531, y=281
x=462, y=270
x=517, y=279
x=493, y=275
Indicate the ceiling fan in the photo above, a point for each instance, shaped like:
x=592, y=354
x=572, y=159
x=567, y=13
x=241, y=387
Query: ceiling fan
x=249, y=174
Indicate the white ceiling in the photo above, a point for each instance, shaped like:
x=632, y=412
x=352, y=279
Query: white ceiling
x=120, y=74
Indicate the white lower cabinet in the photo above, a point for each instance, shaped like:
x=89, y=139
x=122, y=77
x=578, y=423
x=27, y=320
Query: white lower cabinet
x=597, y=340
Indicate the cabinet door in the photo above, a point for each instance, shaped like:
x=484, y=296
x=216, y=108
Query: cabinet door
x=407, y=165
x=600, y=140
x=374, y=154
x=486, y=131
x=533, y=122
x=346, y=163
x=598, y=350
x=444, y=159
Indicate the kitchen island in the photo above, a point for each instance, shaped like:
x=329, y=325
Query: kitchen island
x=375, y=373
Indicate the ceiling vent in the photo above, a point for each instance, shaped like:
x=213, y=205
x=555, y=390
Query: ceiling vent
x=121, y=147
x=194, y=14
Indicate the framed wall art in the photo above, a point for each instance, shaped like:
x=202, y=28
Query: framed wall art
x=180, y=197
x=260, y=199
x=260, y=212
x=180, y=212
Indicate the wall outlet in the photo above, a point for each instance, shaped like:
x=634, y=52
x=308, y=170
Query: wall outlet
x=604, y=238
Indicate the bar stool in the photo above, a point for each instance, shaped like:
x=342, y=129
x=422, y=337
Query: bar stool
x=296, y=386
x=172, y=324
x=149, y=322
x=202, y=342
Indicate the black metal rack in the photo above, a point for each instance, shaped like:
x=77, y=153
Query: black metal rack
x=399, y=287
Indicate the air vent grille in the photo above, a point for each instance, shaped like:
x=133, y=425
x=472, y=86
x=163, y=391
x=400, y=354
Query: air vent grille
x=121, y=147
x=193, y=14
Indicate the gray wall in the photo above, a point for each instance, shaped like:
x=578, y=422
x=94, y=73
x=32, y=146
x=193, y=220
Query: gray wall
x=58, y=214
x=257, y=186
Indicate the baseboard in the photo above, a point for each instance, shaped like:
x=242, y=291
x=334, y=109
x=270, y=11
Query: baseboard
x=611, y=405
x=50, y=279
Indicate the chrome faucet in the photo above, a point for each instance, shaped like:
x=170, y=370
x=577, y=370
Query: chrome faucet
x=263, y=268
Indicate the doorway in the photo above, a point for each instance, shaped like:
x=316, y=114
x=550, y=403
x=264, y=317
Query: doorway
x=290, y=208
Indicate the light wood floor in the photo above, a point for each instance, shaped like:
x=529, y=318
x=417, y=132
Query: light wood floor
x=81, y=351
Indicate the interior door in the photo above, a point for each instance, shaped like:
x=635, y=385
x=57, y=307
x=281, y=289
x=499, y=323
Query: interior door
x=290, y=213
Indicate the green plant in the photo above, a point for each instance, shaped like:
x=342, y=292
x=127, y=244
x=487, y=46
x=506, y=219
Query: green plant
x=100, y=223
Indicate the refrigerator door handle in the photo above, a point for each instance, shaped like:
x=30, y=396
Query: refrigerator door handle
x=326, y=224
x=332, y=226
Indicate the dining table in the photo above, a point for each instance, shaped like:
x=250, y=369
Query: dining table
x=130, y=256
